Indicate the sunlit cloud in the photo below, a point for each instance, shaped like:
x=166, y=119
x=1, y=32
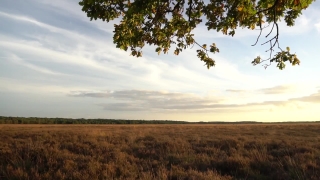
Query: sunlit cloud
x=277, y=90
x=128, y=100
x=235, y=90
x=313, y=98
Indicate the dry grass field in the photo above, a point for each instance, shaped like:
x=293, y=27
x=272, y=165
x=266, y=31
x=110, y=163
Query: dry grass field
x=261, y=151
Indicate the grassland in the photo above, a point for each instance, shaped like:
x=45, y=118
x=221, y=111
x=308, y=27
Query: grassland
x=260, y=151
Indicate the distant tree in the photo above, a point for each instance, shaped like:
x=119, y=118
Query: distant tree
x=167, y=23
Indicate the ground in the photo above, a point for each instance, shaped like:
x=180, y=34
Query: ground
x=257, y=151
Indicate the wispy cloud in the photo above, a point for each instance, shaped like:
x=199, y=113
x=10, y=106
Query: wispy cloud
x=277, y=90
x=20, y=61
x=235, y=90
x=281, y=89
x=32, y=21
x=128, y=100
x=145, y=100
x=313, y=98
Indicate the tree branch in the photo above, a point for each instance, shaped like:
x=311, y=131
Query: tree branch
x=275, y=38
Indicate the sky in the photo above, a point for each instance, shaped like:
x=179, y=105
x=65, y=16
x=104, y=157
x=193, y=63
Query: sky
x=55, y=62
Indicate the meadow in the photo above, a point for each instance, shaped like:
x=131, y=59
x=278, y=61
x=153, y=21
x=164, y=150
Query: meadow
x=164, y=152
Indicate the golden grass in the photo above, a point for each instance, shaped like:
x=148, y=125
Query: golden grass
x=261, y=151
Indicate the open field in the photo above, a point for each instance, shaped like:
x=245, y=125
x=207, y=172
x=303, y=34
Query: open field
x=261, y=151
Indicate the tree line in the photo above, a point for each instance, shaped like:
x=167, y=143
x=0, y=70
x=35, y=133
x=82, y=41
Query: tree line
x=44, y=120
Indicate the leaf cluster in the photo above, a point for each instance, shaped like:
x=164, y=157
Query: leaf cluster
x=279, y=58
x=169, y=24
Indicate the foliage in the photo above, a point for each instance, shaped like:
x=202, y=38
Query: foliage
x=167, y=23
x=39, y=120
x=167, y=152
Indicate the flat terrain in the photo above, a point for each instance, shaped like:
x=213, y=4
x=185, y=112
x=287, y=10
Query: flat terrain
x=260, y=151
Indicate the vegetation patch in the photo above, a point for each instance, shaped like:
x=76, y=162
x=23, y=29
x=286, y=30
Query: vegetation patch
x=185, y=151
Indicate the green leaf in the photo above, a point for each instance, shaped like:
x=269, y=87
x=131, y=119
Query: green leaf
x=163, y=23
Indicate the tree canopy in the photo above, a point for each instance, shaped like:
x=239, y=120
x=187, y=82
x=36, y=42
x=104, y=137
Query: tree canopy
x=169, y=24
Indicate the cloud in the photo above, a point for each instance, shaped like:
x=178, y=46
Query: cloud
x=302, y=21
x=151, y=100
x=32, y=21
x=12, y=85
x=98, y=49
x=158, y=96
x=67, y=7
x=317, y=25
x=20, y=61
x=282, y=89
x=313, y=98
x=163, y=101
x=142, y=100
x=235, y=90
x=65, y=47
x=53, y=30
x=277, y=90
x=52, y=55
